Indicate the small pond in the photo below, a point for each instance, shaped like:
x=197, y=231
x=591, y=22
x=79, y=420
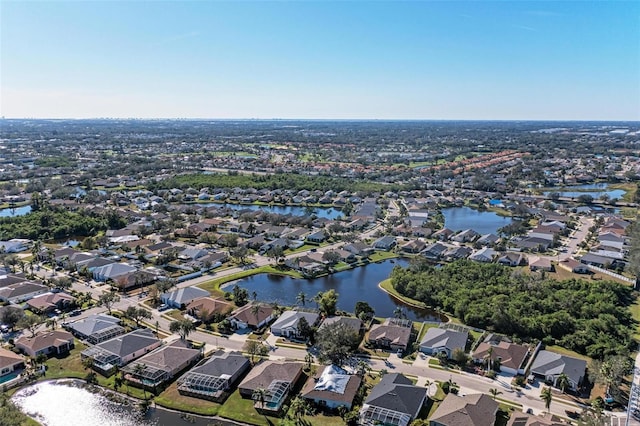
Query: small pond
x=461, y=218
x=323, y=212
x=15, y=211
x=353, y=285
x=596, y=190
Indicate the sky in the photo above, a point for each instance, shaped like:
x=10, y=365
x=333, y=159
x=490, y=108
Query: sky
x=456, y=60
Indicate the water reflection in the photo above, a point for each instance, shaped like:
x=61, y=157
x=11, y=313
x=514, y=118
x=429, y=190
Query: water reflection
x=461, y=218
x=353, y=285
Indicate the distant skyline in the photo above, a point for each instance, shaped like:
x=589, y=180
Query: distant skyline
x=431, y=60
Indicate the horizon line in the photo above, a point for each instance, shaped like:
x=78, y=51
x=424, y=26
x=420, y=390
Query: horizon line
x=556, y=120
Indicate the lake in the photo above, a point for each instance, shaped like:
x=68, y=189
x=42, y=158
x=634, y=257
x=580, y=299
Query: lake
x=353, y=285
x=596, y=190
x=324, y=212
x=461, y=218
x=67, y=403
x=15, y=211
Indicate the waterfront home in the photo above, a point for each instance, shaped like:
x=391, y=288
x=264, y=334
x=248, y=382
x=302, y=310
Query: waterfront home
x=395, y=401
x=353, y=323
x=276, y=377
x=391, y=335
x=415, y=246
x=468, y=410
x=359, y=248
x=10, y=362
x=550, y=365
x=434, y=251
x=466, y=236
x=207, y=308
x=332, y=388
x=244, y=318
x=213, y=378
x=161, y=365
x=96, y=328
x=511, y=356
x=183, y=296
x=56, y=342
x=385, y=243
x=443, y=340
x=121, y=350
x=288, y=322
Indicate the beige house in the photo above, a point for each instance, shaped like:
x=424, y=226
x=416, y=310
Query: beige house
x=55, y=342
x=469, y=410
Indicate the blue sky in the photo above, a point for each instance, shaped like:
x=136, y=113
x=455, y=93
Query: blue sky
x=577, y=60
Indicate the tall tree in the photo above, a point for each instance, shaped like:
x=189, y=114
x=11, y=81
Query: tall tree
x=183, y=328
x=136, y=314
x=336, y=343
x=547, y=397
x=563, y=382
x=108, y=299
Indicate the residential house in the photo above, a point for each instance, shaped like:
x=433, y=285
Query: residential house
x=56, y=342
x=395, y=401
x=550, y=365
x=455, y=253
x=488, y=239
x=287, y=324
x=434, y=251
x=524, y=419
x=572, y=265
x=21, y=292
x=332, y=388
x=466, y=236
x=385, y=243
x=276, y=377
x=120, y=350
x=511, y=356
x=391, y=335
x=512, y=259
x=96, y=328
x=245, y=317
x=469, y=410
x=443, y=340
x=415, y=246
x=112, y=271
x=49, y=302
x=587, y=259
x=317, y=237
x=207, y=308
x=354, y=324
x=213, y=378
x=181, y=297
x=443, y=234
x=541, y=264
x=163, y=364
x=359, y=248
x=10, y=362
x=484, y=255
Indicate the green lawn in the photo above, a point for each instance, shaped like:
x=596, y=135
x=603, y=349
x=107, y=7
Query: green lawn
x=386, y=286
x=563, y=351
x=170, y=398
x=635, y=313
x=241, y=410
x=382, y=255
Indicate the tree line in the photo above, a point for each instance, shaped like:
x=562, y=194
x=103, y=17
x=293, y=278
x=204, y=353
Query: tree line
x=291, y=181
x=589, y=317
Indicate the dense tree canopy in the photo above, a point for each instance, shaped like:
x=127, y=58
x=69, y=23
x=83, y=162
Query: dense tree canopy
x=589, y=317
x=290, y=181
x=51, y=223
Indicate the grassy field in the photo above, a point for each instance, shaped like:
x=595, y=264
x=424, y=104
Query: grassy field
x=170, y=398
x=563, y=351
x=386, y=286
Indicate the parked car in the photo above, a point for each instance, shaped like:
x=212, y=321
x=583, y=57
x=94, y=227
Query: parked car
x=163, y=307
x=75, y=312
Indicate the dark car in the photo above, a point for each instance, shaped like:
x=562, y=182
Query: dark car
x=75, y=312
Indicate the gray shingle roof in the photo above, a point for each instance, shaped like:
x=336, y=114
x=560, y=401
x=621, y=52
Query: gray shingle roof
x=552, y=364
x=397, y=392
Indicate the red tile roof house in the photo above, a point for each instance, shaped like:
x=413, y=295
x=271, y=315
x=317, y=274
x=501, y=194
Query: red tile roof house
x=49, y=343
x=10, y=362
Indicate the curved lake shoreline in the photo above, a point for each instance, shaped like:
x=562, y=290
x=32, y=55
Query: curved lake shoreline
x=71, y=402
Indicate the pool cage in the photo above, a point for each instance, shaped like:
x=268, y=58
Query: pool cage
x=105, y=334
x=203, y=385
x=146, y=375
x=382, y=416
x=276, y=394
x=103, y=360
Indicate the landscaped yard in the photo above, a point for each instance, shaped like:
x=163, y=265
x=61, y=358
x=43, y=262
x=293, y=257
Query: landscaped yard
x=170, y=398
x=240, y=409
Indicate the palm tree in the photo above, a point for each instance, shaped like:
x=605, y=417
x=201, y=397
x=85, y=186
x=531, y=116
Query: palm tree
x=494, y=393
x=138, y=370
x=260, y=395
x=547, y=397
x=297, y=409
x=183, y=328
x=563, y=382
x=301, y=298
x=488, y=357
x=255, y=310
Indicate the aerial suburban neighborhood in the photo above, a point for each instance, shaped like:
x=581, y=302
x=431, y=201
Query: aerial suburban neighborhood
x=325, y=273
